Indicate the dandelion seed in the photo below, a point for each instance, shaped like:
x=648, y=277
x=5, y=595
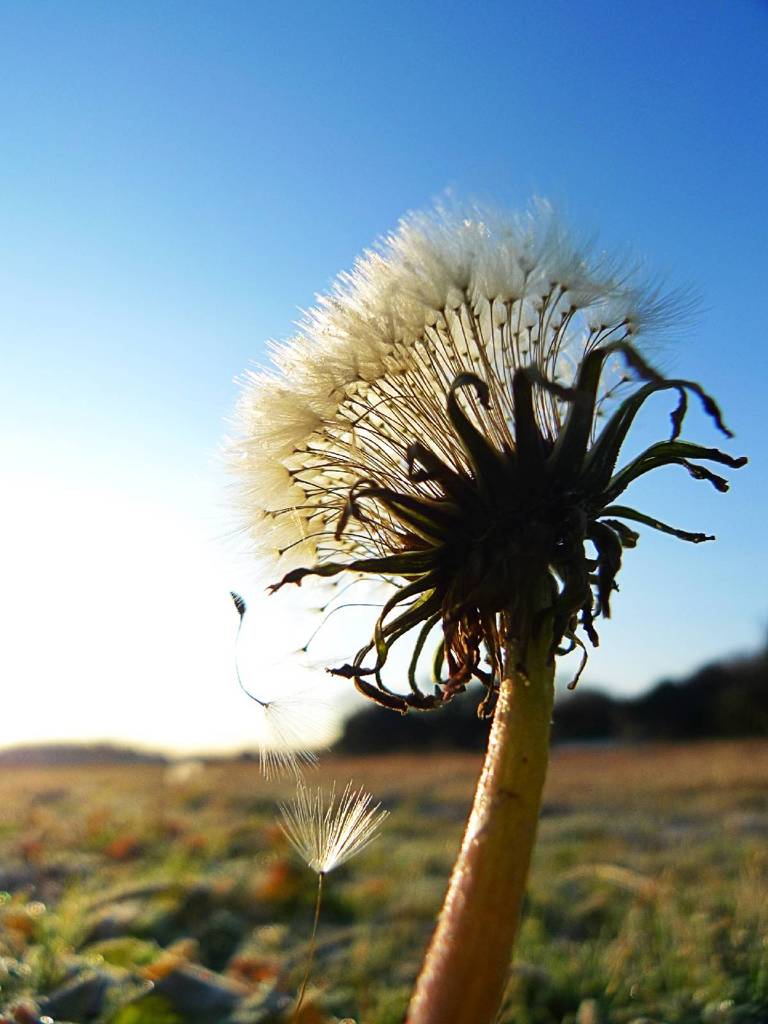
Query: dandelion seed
x=280, y=740
x=325, y=835
x=288, y=727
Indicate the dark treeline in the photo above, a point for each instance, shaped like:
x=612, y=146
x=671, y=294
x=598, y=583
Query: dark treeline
x=721, y=700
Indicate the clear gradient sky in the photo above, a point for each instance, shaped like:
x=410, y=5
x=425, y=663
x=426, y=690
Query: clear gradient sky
x=180, y=178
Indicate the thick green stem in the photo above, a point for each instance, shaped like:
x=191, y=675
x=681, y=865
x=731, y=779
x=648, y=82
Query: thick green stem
x=465, y=971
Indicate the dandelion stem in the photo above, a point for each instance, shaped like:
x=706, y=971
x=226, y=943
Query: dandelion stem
x=311, y=952
x=465, y=970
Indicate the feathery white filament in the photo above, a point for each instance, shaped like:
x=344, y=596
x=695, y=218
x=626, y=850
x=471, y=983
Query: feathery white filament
x=289, y=726
x=326, y=834
x=285, y=730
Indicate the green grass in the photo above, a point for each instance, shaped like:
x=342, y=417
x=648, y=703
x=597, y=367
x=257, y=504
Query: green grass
x=648, y=898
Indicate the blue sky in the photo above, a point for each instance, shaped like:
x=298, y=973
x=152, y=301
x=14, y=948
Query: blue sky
x=179, y=179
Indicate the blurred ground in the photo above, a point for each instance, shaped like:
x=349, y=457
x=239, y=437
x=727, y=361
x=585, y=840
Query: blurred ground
x=148, y=895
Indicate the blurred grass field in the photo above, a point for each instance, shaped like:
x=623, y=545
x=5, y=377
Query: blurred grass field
x=148, y=895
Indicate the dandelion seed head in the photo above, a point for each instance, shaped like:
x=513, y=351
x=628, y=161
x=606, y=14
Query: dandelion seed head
x=450, y=291
x=436, y=423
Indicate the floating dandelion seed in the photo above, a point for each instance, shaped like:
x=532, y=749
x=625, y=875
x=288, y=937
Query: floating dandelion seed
x=450, y=421
x=325, y=835
x=286, y=723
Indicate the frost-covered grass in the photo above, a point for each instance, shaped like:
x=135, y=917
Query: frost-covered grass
x=649, y=893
